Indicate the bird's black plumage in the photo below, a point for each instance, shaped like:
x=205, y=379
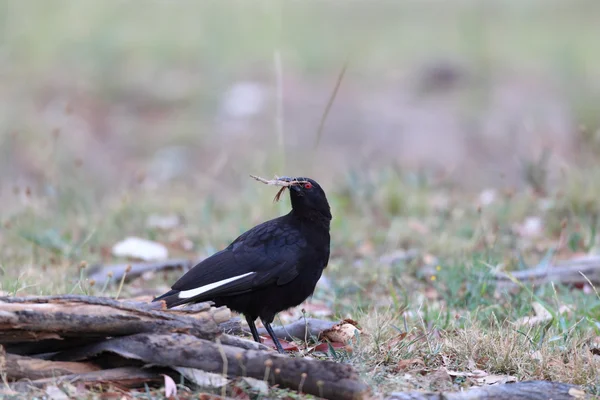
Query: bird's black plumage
x=270, y=268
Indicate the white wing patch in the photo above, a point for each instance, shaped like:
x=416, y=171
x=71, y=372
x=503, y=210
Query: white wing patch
x=186, y=294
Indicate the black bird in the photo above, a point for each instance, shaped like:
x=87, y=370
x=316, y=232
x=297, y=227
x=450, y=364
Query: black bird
x=270, y=268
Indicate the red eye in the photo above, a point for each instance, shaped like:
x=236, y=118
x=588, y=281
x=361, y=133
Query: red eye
x=308, y=185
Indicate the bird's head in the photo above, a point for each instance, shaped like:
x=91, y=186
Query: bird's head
x=307, y=197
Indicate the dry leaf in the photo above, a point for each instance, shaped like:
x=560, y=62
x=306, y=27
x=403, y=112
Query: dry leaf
x=495, y=379
x=541, y=311
x=474, y=374
x=595, y=345
x=287, y=346
x=203, y=378
x=341, y=333
x=397, y=339
x=324, y=347
x=406, y=364
x=577, y=393
x=170, y=386
x=541, y=314
x=54, y=393
x=258, y=385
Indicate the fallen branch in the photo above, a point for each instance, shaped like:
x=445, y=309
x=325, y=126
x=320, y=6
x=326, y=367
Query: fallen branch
x=103, y=274
x=570, y=272
x=18, y=367
x=232, y=327
x=123, y=377
x=242, y=343
x=531, y=390
x=102, y=340
x=321, y=378
x=31, y=319
x=301, y=329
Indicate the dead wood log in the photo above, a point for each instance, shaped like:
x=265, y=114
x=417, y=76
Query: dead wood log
x=530, y=390
x=17, y=367
x=232, y=327
x=102, y=274
x=127, y=377
x=569, y=272
x=321, y=378
x=59, y=317
x=301, y=329
x=245, y=344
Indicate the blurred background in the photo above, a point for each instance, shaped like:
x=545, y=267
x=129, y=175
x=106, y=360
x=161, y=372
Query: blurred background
x=106, y=95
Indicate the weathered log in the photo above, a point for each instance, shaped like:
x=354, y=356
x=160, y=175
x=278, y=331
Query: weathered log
x=60, y=317
x=102, y=274
x=242, y=343
x=301, y=329
x=321, y=378
x=569, y=272
x=18, y=367
x=530, y=390
x=128, y=377
x=232, y=327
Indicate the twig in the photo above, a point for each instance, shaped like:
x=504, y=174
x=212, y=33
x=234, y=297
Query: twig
x=279, y=103
x=331, y=100
x=107, y=274
x=122, y=281
x=224, y=358
x=278, y=181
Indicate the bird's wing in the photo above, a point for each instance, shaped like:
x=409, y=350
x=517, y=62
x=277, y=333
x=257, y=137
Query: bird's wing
x=267, y=254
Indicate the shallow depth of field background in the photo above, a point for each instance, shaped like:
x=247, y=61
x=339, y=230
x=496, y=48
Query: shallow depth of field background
x=174, y=90
x=113, y=111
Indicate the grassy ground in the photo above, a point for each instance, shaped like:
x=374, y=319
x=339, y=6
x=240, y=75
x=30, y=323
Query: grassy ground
x=90, y=93
x=438, y=309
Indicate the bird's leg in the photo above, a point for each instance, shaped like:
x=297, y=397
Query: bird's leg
x=272, y=334
x=250, y=322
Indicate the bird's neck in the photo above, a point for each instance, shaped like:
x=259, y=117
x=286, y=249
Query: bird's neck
x=313, y=218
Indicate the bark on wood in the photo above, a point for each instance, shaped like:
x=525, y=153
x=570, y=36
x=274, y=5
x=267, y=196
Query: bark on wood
x=38, y=318
x=232, y=327
x=18, y=367
x=301, y=329
x=531, y=390
x=320, y=378
x=246, y=344
x=102, y=273
x=123, y=377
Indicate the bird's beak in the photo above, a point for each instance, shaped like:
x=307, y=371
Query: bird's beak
x=296, y=188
